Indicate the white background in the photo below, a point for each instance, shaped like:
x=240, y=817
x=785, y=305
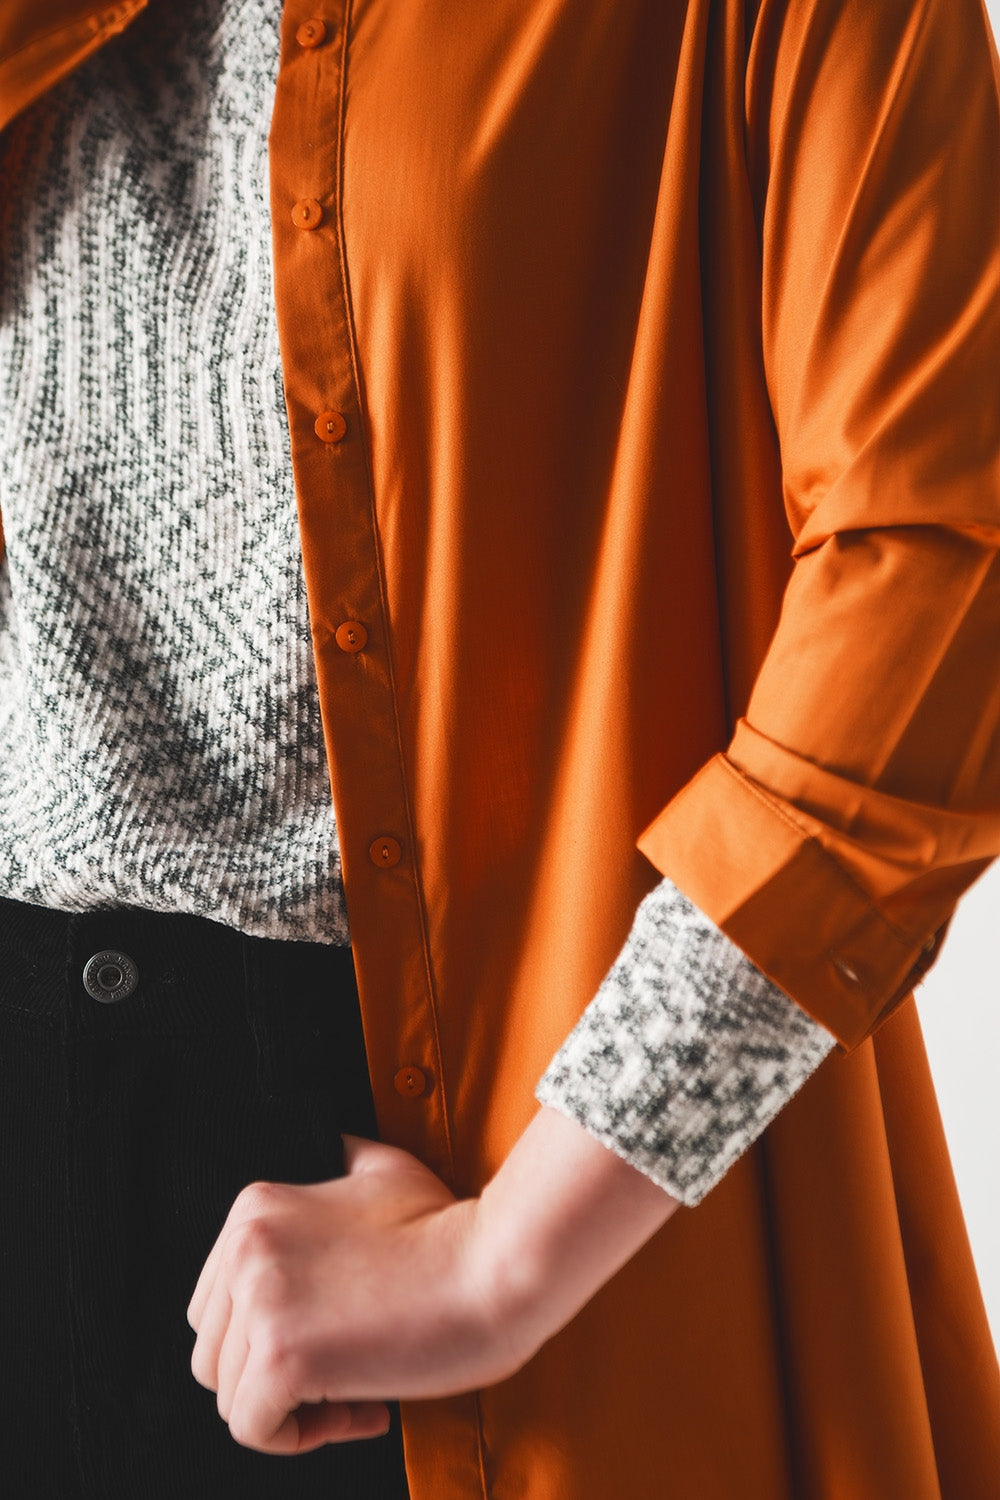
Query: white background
x=959, y=1006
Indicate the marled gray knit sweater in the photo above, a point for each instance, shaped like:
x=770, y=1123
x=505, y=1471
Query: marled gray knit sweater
x=157, y=689
x=156, y=675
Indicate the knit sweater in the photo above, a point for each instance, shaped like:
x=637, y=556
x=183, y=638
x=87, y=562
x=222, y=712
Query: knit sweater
x=157, y=686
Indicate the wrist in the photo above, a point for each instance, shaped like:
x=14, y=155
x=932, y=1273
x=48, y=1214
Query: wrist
x=509, y=1272
x=478, y=1314
x=559, y=1218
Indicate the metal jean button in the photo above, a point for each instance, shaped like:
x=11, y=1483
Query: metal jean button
x=109, y=976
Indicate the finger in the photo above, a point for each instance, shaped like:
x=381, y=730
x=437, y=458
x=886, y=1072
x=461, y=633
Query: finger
x=263, y=1414
x=246, y=1205
x=212, y=1329
x=232, y=1362
x=340, y=1422
x=206, y=1281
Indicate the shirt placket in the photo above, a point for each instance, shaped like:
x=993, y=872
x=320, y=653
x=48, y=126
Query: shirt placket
x=349, y=615
x=349, y=610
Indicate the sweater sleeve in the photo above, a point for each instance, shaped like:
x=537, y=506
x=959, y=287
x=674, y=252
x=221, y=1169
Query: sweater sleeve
x=685, y=1054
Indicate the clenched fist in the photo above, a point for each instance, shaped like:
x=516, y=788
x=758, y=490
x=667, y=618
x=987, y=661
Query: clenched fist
x=319, y=1303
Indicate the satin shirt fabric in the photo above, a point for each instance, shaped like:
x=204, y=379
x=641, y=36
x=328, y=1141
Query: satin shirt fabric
x=662, y=341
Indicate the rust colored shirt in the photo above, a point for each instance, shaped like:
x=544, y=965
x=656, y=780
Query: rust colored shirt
x=157, y=685
x=644, y=354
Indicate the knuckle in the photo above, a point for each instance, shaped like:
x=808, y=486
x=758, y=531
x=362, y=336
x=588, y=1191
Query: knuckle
x=258, y=1198
x=279, y=1360
x=253, y=1240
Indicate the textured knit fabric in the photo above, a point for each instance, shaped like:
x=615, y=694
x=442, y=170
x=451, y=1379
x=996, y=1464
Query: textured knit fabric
x=156, y=672
x=157, y=686
x=686, y=1053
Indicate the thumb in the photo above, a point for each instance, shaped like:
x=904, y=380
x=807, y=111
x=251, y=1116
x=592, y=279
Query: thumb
x=364, y=1155
x=375, y=1159
x=339, y=1422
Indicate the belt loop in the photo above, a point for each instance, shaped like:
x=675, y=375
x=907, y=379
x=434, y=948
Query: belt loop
x=255, y=986
x=70, y=1009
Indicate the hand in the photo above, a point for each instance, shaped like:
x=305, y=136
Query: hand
x=318, y=1303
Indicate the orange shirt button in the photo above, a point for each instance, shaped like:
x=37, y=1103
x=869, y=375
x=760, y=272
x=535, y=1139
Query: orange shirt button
x=311, y=33
x=410, y=1082
x=330, y=426
x=307, y=214
x=351, y=636
x=385, y=851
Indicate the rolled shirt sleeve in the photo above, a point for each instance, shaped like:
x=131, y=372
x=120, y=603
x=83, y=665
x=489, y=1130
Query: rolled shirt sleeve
x=685, y=1054
x=860, y=794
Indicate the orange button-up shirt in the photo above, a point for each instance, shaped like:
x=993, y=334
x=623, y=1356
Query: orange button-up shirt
x=641, y=365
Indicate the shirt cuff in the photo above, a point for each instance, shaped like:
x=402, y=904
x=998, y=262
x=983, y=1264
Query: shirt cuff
x=686, y=1053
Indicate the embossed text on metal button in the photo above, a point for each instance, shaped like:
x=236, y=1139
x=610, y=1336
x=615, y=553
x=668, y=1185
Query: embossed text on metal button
x=109, y=976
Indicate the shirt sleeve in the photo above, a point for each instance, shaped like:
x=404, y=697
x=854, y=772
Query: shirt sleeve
x=859, y=796
x=685, y=1054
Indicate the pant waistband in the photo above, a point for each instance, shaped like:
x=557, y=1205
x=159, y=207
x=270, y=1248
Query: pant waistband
x=118, y=968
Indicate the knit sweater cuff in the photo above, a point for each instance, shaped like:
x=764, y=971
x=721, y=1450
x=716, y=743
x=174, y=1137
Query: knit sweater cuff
x=685, y=1054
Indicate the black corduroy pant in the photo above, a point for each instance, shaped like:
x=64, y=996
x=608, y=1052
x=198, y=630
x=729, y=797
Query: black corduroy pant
x=128, y=1124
